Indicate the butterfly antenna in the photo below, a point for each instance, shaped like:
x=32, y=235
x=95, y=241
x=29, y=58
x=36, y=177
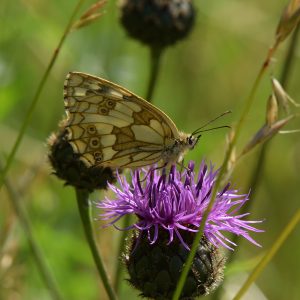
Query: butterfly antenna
x=198, y=130
x=213, y=128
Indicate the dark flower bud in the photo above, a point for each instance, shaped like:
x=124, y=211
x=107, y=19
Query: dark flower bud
x=157, y=23
x=69, y=167
x=154, y=269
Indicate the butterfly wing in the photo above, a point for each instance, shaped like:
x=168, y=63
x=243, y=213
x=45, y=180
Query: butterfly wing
x=110, y=126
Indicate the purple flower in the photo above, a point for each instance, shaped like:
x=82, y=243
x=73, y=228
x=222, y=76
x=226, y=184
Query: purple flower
x=176, y=203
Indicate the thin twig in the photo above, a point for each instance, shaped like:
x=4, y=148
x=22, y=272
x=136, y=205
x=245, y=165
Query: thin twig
x=155, y=59
x=119, y=266
x=259, y=167
x=284, y=77
x=84, y=208
x=37, y=95
x=44, y=271
x=238, y=127
x=269, y=255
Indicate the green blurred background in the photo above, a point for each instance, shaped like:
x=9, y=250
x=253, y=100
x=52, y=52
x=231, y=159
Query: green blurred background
x=211, y=71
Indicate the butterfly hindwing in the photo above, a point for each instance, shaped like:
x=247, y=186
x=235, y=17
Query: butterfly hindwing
x=110, y=126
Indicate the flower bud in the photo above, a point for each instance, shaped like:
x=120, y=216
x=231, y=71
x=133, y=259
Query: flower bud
x=289, y=20
x=282, y=96
x=272, y=110
x=265, y=133
x=154, y=269
x=92, y=14
x=157, y=23
x=69, y=167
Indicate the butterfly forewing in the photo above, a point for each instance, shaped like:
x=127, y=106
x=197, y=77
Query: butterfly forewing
x=110, y=126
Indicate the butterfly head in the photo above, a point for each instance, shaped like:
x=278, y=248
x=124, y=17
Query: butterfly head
x=191, y=141
x=181, y=146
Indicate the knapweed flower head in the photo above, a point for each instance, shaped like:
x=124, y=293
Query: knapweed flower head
x=175, y=203
x=157, y=23
x=67, y=165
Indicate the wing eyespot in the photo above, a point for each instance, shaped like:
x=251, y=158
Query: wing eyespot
x=98, y=156
x=91, y=129
x=94, y=142
x=110, y=104
x=103, y=111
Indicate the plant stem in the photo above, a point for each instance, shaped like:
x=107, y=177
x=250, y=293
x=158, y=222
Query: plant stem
x=269, y=255
x=286, y=70
x=84, y=210
x=258, y=171
x=155, y=59
x=248, y=104
x=44, y=270
x=259, y=167
x=37, y=95
x=118, y=272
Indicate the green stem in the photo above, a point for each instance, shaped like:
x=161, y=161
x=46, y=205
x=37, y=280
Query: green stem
x=84, y=210
x=198, y=236
x=284, y=77
x=119, y=267
x=156, y=54
x=155, y=59
x=259, y=168
x=37, y=95
x=44, y=270
x=269, y=255
x=248, y=104
x=286, y=70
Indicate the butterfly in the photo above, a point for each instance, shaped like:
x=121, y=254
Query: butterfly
x=109, y=126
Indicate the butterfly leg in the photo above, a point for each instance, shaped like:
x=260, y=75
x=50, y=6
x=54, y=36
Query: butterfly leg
x=163, y=167
x=182, y=166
